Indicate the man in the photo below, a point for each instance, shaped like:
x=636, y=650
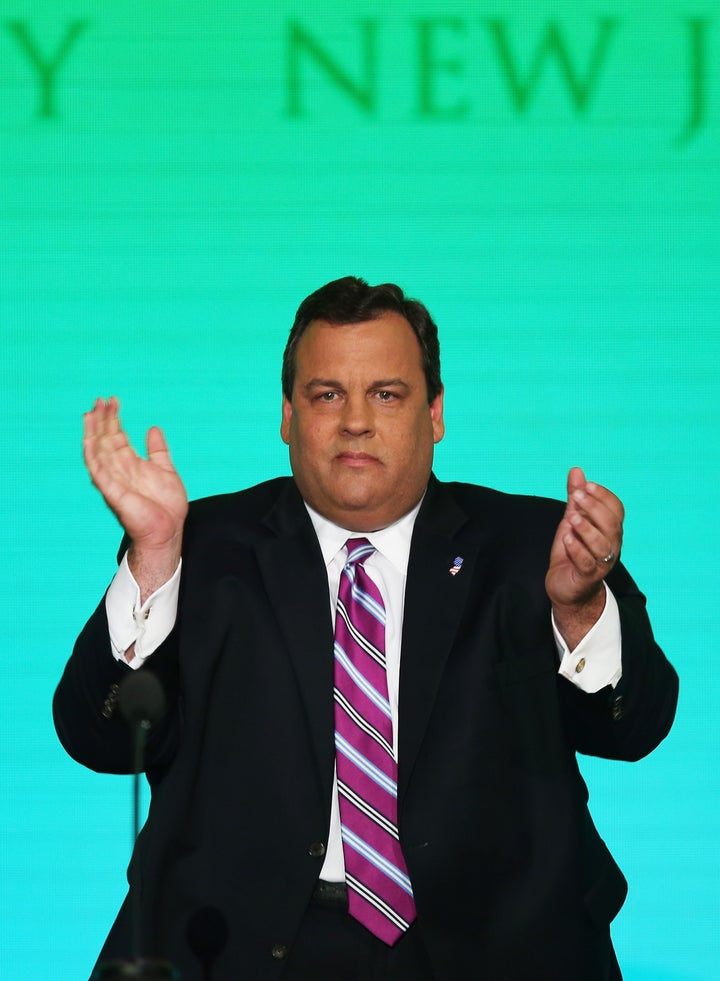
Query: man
x=510, y=638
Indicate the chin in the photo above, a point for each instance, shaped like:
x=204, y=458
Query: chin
x=354, y=514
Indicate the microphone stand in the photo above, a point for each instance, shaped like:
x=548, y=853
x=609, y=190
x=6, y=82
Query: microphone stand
x=142, y=702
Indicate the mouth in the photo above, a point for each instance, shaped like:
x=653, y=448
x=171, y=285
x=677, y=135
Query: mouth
x=350, y=459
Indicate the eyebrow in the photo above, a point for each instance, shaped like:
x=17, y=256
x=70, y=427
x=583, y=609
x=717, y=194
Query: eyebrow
x=379, y=384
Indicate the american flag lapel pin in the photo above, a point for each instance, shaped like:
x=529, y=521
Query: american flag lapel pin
x=456, y=566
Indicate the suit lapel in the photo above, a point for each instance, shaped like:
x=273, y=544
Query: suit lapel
x=294, y=575
x=434, y=603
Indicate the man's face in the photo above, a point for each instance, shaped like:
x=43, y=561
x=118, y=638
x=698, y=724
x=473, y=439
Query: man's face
x=359, y=427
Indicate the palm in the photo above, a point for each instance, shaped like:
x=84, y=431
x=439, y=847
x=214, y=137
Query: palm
x=147, y=495
x=563, y=582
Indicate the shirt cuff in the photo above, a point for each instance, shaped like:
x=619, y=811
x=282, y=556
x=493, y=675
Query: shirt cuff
x=597, y=660
x=147, y=625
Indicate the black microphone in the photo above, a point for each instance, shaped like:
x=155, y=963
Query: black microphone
x=141, y=699
x=142, y=703
x=207, y=934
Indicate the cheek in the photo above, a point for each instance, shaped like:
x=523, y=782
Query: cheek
x=415, y=452
x=418, y=439
x=308, y=436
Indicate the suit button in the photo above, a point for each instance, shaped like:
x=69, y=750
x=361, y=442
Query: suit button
x=617, y=709
x=110, y=702
x=317, y=849
x=279, y=951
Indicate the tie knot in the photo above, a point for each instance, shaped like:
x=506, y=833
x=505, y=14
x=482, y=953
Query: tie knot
x=358, y=550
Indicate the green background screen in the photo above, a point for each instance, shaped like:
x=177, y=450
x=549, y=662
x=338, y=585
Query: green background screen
x=176, y=176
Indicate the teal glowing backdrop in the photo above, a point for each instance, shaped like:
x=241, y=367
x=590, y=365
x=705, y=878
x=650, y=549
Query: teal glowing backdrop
x=176, y=176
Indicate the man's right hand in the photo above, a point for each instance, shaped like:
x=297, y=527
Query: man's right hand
x=146, y=495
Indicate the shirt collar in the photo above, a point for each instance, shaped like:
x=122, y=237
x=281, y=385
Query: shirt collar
x=393, y=542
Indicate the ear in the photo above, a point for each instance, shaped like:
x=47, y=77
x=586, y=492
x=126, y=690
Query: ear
x=436, y=416
x=285, y=421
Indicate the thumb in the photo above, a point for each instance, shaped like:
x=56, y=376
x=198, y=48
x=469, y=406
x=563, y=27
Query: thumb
x=156, y=443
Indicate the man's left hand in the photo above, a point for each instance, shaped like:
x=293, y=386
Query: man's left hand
x=586, y=547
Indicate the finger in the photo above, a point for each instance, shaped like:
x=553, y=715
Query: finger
x=110, y=416
x=597, y=543
x=105, y=443
x=89, y=424
x=97, y=421
x=606, y=497
x=602, y=509
x=582, y=559
x=93, y=427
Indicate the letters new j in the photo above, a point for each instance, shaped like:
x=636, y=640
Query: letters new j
x=440, y=67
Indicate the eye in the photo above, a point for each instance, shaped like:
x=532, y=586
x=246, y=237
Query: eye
x=327, y=396
x=386, y=396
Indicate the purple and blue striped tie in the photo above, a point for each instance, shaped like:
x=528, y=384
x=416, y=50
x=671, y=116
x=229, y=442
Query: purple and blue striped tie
x=379, y=892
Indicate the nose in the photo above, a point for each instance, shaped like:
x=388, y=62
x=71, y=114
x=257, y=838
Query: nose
x=357, y=416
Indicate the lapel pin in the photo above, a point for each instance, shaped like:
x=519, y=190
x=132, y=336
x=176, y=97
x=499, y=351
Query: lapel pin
x=456, y=566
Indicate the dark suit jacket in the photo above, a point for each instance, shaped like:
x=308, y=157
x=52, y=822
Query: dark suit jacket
x=511, y=879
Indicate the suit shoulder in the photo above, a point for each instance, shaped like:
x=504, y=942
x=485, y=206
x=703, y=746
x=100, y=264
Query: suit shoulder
x=477, y=500
x=245, y=507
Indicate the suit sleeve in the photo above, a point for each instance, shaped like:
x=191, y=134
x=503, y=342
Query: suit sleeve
x=629, y=721
x=85, y=711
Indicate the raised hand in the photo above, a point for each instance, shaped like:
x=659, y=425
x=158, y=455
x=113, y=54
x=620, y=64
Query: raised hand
x=146, y=495
x=586, y=546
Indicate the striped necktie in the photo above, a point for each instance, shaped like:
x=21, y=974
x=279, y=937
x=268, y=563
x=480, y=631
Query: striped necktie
x=379, y=891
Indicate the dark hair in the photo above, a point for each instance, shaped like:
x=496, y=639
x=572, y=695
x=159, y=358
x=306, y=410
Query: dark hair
x=351, y=301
